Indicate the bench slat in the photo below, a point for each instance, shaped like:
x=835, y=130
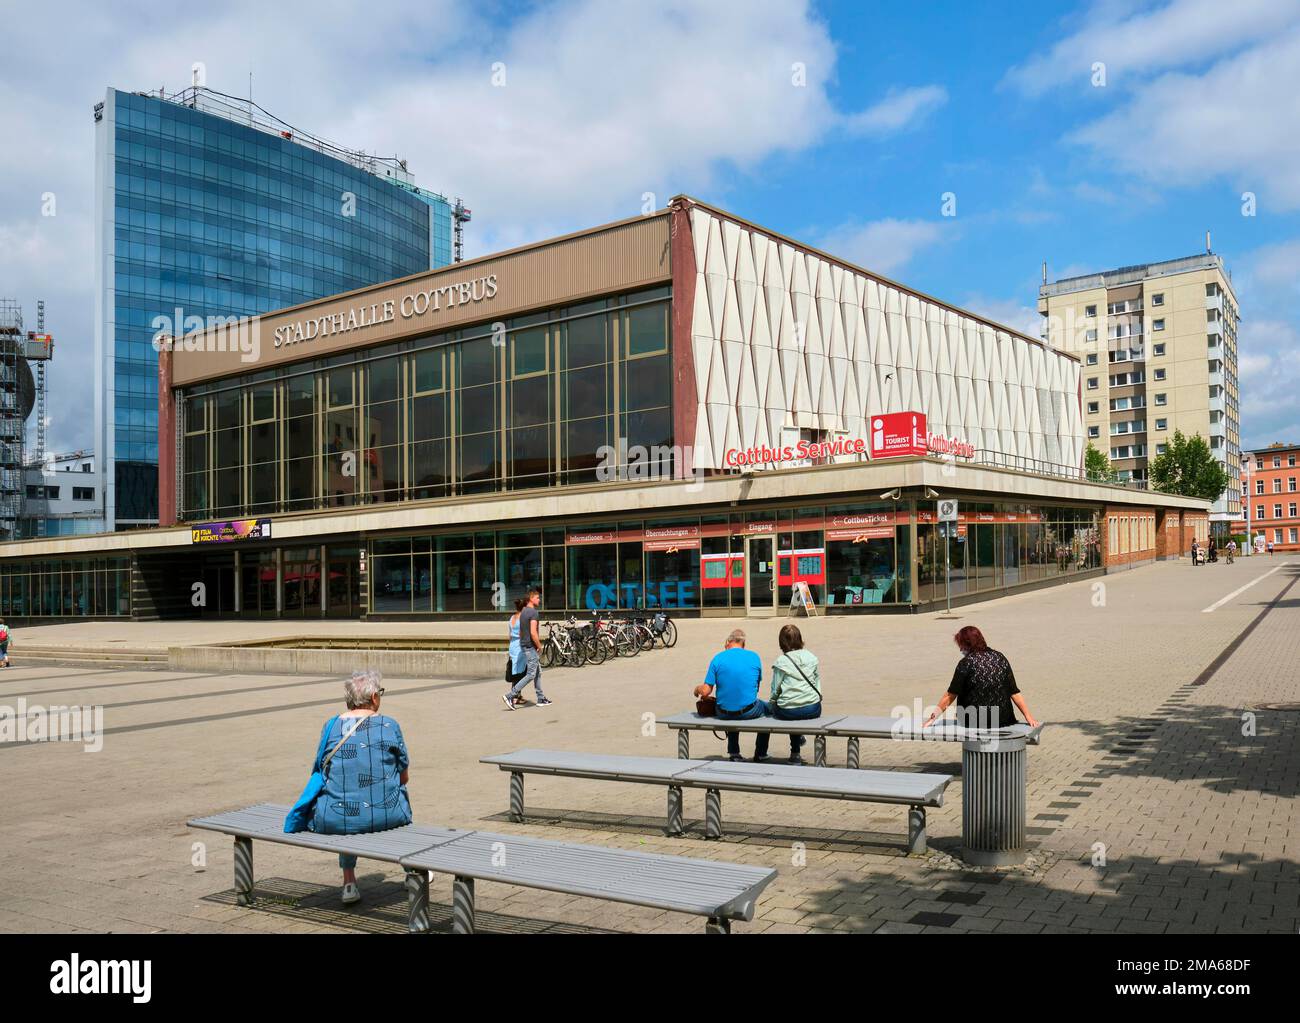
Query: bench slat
x=265, y=821
x=778, y=779
x=702, y=887
x=694, y=722
x=596, y=765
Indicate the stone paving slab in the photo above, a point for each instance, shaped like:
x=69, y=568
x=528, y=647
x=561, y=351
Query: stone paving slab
x=1180, y=784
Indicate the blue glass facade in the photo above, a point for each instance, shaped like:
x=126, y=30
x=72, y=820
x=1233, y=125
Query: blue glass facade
x=203, y=216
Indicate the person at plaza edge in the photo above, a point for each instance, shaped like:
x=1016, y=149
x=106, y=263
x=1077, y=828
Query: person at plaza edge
x=516, y=663
x=4, y=644
x=983, y=686
x=733, y=678
x=1231, y=550
x=366, y=768
x=796, y=685
x=530, y=641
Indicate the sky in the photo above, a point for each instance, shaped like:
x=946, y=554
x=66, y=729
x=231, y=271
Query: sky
x=1089, y=135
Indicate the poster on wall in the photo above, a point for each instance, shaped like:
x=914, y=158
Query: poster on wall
x=226, y=532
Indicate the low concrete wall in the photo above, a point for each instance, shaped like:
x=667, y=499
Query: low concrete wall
x=452, y=664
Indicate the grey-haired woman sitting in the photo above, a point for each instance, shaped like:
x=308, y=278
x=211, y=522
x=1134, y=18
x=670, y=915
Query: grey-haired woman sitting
x=366, y=775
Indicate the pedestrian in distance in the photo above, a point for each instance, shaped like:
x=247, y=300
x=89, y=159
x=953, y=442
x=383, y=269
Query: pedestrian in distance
x=516, y=664
x=530, y=640
x=4, y=644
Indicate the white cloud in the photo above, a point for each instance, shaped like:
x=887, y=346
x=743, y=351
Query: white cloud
x=1237, y=121
x=1008, y=312
x=1137, y=44
x=601, y=104
x=901, y=108
x=882, y=246
x=1267, y=282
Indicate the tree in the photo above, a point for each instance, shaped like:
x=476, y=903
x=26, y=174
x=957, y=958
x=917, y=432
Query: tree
x=1188, y=468
x=1096, y=466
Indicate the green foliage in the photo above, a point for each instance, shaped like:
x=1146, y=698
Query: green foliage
x=1188, y=468
x=1096, y=466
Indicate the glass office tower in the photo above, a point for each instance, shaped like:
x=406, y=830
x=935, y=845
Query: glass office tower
x=207, y=206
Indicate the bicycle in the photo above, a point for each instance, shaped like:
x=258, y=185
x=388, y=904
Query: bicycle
x=561, y=647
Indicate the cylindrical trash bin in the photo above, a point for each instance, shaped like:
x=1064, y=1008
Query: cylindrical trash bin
x=993, y=801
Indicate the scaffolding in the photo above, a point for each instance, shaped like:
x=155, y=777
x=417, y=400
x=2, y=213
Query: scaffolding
x=13, y=416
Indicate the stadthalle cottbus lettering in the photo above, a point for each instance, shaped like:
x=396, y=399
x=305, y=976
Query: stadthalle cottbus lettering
x=415, y=304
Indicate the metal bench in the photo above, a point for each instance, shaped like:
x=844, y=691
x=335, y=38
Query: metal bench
x=722, y=892
x=994, y=768
x=851, y=726
x=916, y=791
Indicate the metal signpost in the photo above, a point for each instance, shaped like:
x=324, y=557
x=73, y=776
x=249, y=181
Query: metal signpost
x=947, y=516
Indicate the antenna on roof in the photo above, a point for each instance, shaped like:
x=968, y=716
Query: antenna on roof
x=1044, y=271
x=1207, y=242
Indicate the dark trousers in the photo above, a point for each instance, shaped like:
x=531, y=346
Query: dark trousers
x=758, y=710
x=813, y=710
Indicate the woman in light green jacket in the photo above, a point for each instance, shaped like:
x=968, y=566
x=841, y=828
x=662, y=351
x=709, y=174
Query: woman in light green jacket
x=796, y=685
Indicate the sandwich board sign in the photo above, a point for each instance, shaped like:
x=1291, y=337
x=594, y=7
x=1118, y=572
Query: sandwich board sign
x=802, y=598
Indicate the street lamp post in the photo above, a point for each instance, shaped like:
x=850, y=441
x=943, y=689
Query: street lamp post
x=1245, y=503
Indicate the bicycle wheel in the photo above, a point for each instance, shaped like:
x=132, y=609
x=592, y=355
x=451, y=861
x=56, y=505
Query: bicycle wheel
x=577, y=654
x=595, y=650
x=626, y=644
x=669, y=635
x=546, y=656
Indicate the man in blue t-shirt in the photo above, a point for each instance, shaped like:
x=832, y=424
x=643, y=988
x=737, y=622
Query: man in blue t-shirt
x=732, y=679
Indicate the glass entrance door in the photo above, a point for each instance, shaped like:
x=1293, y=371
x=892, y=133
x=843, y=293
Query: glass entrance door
x=760, y=575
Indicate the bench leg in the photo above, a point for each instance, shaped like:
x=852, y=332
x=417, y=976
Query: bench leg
x=244, y=871
x=683, y=744
x=417, y=901
x=675, y=810
x=462, y=905
x=853, y=753
x=712, y=813
x=916, y=829
x=516, y=796
x=819, y=750
x=717, y=925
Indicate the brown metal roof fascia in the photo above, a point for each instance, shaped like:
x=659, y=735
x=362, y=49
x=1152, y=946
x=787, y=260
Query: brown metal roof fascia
x=187, y=371
x=803, y=247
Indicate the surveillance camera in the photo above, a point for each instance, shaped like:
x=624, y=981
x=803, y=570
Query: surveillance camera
x=931, y=492
x=892, y=495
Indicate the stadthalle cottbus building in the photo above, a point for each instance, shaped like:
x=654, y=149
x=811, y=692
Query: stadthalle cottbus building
x=681, y=409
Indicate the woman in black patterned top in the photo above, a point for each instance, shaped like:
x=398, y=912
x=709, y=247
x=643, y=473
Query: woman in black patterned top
x=983, y=686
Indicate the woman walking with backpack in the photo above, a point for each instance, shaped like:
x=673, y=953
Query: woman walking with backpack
x=796, y=686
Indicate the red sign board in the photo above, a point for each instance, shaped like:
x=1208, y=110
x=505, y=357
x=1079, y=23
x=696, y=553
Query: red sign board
x=898, y=434
x=864, y=526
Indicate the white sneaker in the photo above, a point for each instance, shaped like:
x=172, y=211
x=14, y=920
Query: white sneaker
x=351, y=894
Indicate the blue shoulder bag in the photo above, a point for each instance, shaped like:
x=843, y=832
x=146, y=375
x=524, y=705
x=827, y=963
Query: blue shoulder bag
x=300, y=813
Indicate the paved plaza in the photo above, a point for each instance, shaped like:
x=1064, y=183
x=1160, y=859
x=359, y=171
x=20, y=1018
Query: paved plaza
x=1162, y=799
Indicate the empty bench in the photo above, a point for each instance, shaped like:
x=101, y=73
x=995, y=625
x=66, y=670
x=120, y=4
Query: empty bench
x=916, y=791
x=722, y=892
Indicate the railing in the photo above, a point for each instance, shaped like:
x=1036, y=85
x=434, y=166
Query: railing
x=1039, y=467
